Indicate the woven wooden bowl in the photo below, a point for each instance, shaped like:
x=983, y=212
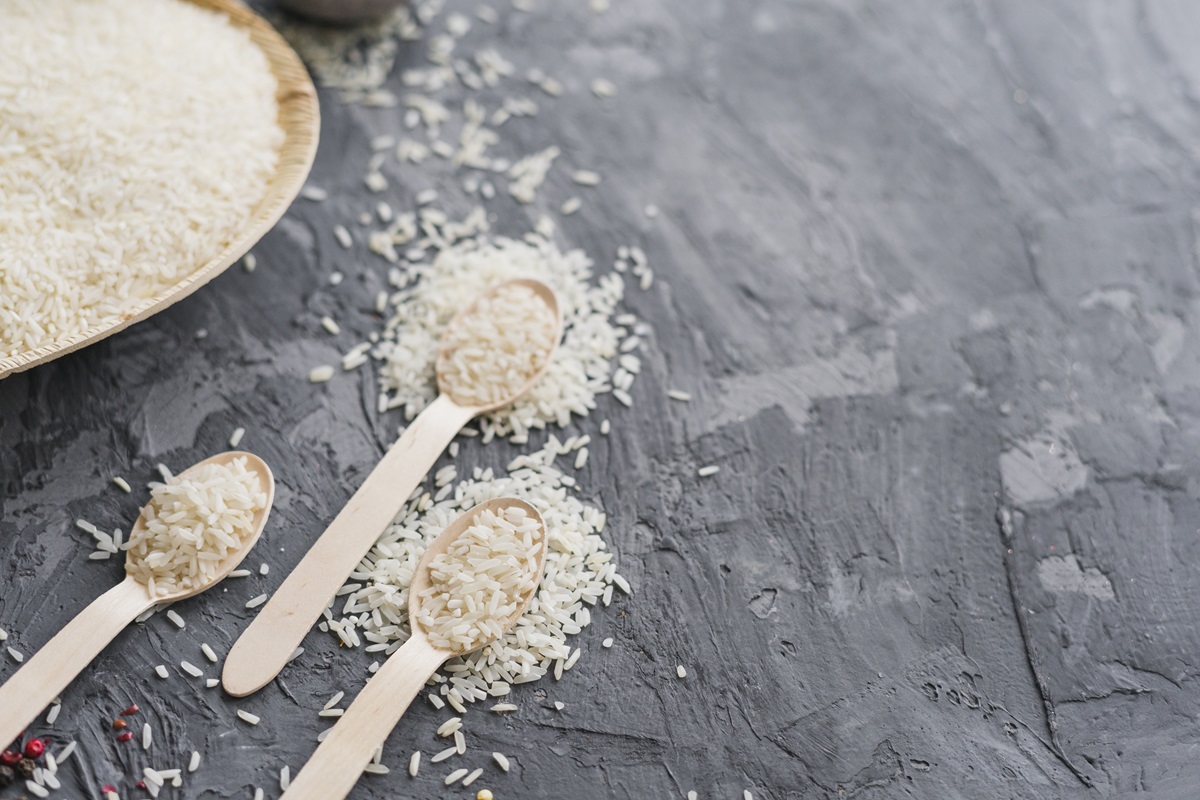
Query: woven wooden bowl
x=300, y=118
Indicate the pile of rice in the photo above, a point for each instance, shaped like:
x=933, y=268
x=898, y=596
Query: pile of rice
x=496, y=348
x=579, y=572
x=193, y=523
x=459, y=104
x=136, y=137
x=582, y=366
x=482, y=579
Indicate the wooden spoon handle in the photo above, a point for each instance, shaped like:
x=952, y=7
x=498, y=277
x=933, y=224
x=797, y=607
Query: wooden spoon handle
x=338, y=762
x=266, y=645
x=44, y=676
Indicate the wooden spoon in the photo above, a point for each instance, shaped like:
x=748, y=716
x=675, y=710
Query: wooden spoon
x=338, y=762
x=44, y=676
x=268, y=643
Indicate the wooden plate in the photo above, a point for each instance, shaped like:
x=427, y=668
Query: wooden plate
x=300, y=118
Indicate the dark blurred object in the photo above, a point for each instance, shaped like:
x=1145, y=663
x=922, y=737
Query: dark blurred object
x=341, y=12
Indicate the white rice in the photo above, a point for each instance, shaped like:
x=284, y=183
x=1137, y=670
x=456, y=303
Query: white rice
x=246, y=716
x=451, y=778
x=40, y=791
x=194, y=762
x=676, y=394
x=529, y=173
x=705, y=472
x=320, y=374
x=480, y=581
x=559, y=705
x=467, y=781
x=249, y=262
x=147, y=736
x=66, y=752
x=192, y=525
x=414, y=764
x=681, y=671
x=285, y=778
x=191, y=669
x=579, y=574
x=122, y=484
x=104, y=208
x=497, y=348
x=580, y=367
x=162, y=671
x=53, y=713
x=176, y=620
x=449, y=726
x=255, y=602
x=443, y=755
x=586, y=177
x=501, y=761
x=235, y=438
x=16, y=654
x=601, y=87
x=607, y=642
x=333, y=701
x=209, y=653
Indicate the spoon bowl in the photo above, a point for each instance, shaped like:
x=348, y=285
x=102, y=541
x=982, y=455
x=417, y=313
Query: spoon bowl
x=441, y=544
x=50, y=670
x=267, y=644
x=334, y=768
x=231, y=561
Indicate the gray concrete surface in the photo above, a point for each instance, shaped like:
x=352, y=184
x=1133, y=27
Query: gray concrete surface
x=929, y=270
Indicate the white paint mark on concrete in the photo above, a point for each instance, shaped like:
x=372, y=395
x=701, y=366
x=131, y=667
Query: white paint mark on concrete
x=1063, y=574
x=852, y=372
x=983, y=320
x=1042, y=467
x=1123, y=301
x=1171, y=336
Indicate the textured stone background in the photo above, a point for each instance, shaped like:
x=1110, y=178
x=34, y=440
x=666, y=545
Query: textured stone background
x=929, y=269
